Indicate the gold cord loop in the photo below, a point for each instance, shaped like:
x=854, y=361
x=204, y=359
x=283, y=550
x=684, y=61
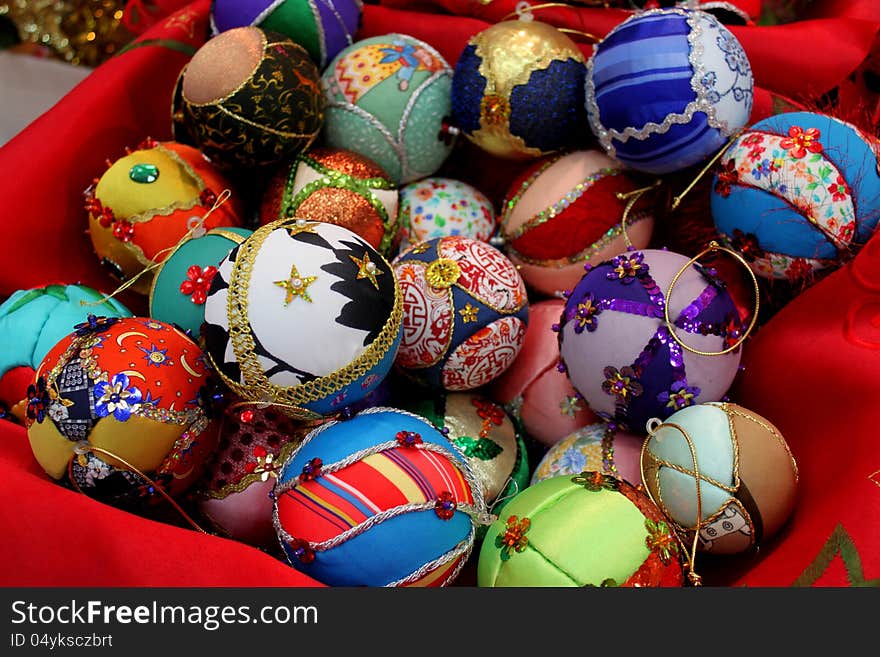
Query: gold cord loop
x=632, y=197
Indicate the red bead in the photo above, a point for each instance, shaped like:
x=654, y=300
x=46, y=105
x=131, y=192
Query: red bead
x=246, y=416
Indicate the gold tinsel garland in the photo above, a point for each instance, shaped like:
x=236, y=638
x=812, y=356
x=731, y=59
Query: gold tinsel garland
x=83, y=32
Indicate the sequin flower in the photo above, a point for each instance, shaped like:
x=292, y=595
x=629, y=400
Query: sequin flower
x=747, y=245
x=627, y=267
x=197, y=282
x=302, y=550
x=265, y=464
x=621, y=383
x=596, y=481
x=799, y=142
x=116, y=397
x=123, y=231
x=311, y=470
x=660, y=540
x=679, y=396
x=839, y=190
x=93, y=324
x=444, y=505
x=408, y=438
x=37, y=400
x=488, y=411
x=733, y=330
x=727, y=177
x=514, y=537
x=585, y=316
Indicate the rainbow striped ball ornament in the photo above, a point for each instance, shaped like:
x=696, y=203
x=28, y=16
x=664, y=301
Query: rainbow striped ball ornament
x=667, y=88
x=382, y=499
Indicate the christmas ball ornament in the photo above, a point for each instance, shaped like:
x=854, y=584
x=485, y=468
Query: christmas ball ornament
x=236, y=497
x=148, y=201
x=596, y=447
x=337, y=186
x=563, y=212
x=723, y=471
x=667, y=88
x=465, y=311
x=588, y=530
x=627, y=362
x=120, y=408
x=381, y=499
x=35, y=320
x=322, y=27
x=249, y=98
x=439, y=207
x=180, y=286
x=305, y=315
x=517, y=90
x=797, y=193
x=533, y=390
x=387, y=97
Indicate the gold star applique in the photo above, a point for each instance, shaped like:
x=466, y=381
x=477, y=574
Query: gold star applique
x=469, y=313
x=367, y=269
x=570, y=406
x=420, y=248
x=296, y=285
x=302, y=226
x=183, y=20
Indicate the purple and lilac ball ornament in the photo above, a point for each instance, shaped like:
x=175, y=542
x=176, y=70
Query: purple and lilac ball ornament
x=322, y=27
x=619, y=352
x=667, y=88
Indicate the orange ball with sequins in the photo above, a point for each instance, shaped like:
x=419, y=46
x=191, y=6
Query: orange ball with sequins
x=121, y=410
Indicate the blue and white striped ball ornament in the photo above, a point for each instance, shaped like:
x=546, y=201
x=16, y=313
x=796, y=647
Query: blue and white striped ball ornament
x=667, y=88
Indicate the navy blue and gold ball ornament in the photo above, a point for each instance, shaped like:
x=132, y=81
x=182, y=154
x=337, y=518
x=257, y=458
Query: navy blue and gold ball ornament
x=667, y=88
x=517, y=90
x=304, y=316
x=381, y=499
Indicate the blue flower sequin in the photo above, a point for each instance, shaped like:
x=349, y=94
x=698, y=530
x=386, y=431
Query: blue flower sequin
x=116, y=397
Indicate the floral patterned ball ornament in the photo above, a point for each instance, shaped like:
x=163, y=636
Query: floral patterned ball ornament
x=465, y=312
x=596, y=447
x=236, y=496
x=667, y=88
x=620, y=353
x=337, y=186
x=517, y=91
x=322, y=27
x=180, y=286
x=381, y=499
x=439, y=207
x=797, y=193
x=121, y=408
x=249, y=98
x=746, y=472
x=148, y=201
x=387, y=97
x=588, y=530
x=303, y=315
x=533, y=390
x=563, y=212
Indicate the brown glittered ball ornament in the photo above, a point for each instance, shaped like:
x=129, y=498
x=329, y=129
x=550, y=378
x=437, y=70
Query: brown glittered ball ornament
x=723, y=471
x=337, y=186
x=151, y=199
x=249, y=98
x=564, y=212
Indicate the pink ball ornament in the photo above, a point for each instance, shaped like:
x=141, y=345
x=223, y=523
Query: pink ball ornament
x=619, y=352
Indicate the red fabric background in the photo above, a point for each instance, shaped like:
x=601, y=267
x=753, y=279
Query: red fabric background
x=813, y=370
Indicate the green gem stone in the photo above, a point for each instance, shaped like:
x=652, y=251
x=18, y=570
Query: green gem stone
x=144, y=173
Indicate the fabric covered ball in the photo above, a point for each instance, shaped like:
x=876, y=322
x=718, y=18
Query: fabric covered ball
x=587, y=530
x=796, y=193
x=322, y=27
x=533, y=390
x=597, y=448
x=305, y=315
x=748, y=476
x=35, y=320
x=249, y=98
x=180, y=286
x=387, y=97
x=236, y=497
x=517, y=90
x=619, y=352
x=667, y=88
x=337, y=186
x=121, y=398
x=148, y=201
x=465, y=311
x=382, y=499
x=563, y=212
x=439, y=207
